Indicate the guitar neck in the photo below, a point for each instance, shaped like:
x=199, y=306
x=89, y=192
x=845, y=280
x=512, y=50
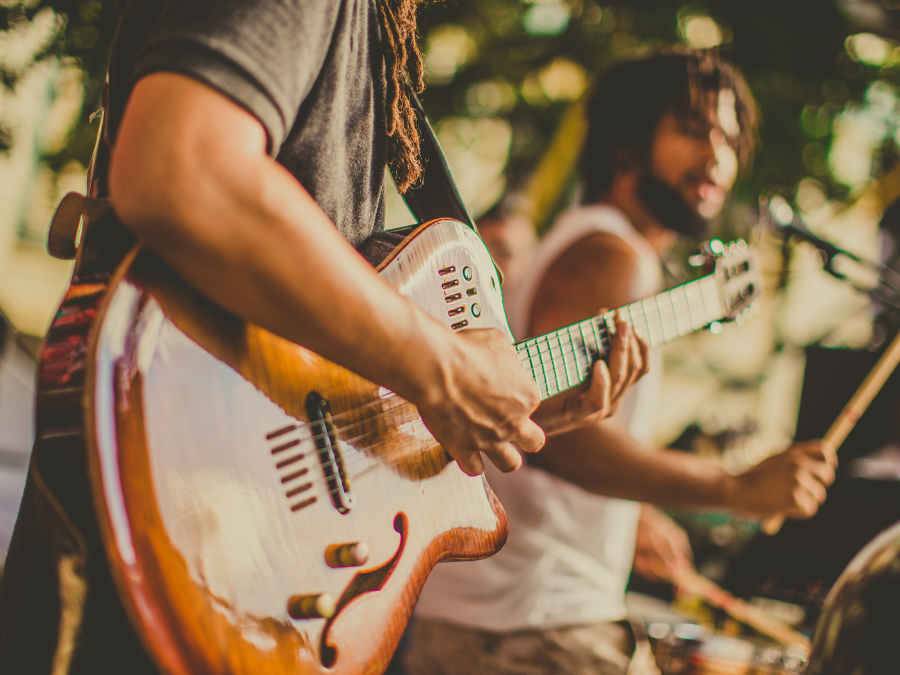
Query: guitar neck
x=562, y=359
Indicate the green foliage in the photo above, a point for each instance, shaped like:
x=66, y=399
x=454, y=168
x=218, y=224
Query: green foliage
x=792, y=54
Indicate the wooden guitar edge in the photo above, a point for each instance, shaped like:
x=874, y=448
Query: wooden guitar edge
x=101, y=509
x=406, y=242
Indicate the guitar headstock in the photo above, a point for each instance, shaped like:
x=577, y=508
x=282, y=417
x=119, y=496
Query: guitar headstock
x=737, y=276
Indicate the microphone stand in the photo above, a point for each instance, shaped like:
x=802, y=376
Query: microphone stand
x=884, y=291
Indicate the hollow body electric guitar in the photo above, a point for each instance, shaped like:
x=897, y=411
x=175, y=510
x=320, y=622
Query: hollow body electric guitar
x=266, y=511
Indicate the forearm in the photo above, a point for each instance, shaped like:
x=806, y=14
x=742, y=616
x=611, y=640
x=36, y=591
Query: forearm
x=605, y=459
x=241, y=230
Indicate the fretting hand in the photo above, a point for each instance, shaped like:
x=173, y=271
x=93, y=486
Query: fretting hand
x=600, y=395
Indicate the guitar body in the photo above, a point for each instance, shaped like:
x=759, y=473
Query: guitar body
x=227, y=465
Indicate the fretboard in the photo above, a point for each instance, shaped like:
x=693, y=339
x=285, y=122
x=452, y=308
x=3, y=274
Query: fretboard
x=562, y=359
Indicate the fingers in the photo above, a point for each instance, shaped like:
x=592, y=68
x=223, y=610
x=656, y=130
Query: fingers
x=471, y=463
x=529, y=437
x=815, y=489
x=805, y=503
x=504, y=456
x=636, y=351
x=621, y=359
x=813, y=473
x=816, y=458
x=598, y=395
x=818, y=449
x=645, y=357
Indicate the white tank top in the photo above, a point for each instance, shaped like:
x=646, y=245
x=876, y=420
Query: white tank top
x=569, y=552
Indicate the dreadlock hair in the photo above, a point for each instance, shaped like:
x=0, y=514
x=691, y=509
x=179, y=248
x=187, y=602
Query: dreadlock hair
x=628, y=100
x=405, y=72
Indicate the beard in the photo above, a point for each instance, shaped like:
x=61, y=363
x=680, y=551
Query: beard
x=667, y=205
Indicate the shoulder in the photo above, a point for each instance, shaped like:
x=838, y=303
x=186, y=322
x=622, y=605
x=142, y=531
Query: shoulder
x=597, y=271
x=599, y=259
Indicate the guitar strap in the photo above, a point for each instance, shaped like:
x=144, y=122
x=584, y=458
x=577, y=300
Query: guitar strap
x=435, y=194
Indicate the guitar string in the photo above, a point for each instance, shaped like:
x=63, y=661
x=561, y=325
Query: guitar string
x=600, y=329
x=558, y=361
x=362, y=456
x=341, y=431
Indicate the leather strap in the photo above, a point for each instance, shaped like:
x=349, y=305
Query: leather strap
x=435, y=194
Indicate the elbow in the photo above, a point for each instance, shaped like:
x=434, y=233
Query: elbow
x=142, y=198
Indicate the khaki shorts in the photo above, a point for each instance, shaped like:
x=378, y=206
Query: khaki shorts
x=437, y=648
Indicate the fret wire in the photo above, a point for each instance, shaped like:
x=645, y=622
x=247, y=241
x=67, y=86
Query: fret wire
x=560, y=334
x=595, y=344
x=529, y=346
x=540, y=374
x=650, y=332
x=675, y=319
x=667, y=316
x=582, y=369
x=712, y=303
x=682, y=313
x=609, y=328
x=598, y=339
x=543, y=368
x=547, y=356
x=562, y=358
x=656, y=317
x=630, y=318
x=638, y=322
x=571, y=342
x=695, y=305
x=576, y=354
x=602, y=334
x=584, y=340
x=555, y=361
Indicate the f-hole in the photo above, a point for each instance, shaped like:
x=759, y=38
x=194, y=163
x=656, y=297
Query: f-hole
x=363, y=582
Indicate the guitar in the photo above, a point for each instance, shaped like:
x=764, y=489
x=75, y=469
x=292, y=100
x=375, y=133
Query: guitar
x=266, y=511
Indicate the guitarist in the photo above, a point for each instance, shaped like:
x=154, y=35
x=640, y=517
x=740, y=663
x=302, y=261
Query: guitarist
x=248, y=142
x=667, y=134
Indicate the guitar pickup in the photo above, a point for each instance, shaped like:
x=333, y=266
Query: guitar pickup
x=325, y=435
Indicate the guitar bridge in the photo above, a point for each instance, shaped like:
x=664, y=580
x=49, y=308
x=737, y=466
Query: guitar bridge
x=323, y=431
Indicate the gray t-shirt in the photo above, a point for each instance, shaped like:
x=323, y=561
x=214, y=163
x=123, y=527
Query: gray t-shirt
x=311, y=71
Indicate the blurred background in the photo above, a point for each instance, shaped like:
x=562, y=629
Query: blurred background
x=504, y=82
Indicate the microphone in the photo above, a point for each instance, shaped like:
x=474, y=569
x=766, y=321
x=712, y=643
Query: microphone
x=828, y=249
x=788, y=224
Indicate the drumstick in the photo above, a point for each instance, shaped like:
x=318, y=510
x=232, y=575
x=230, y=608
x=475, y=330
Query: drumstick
x=742, y=611
x=852, y=411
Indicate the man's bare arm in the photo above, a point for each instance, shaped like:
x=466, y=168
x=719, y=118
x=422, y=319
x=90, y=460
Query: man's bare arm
x=190, y=176
x=606, y=459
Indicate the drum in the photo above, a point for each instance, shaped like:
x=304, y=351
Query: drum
x=689, y=649
x=858, y=627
